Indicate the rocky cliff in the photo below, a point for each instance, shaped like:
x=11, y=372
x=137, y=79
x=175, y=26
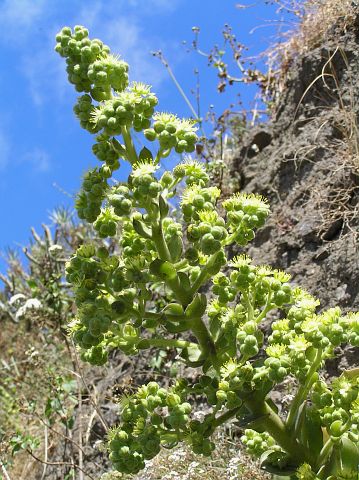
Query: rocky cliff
x=305, y=161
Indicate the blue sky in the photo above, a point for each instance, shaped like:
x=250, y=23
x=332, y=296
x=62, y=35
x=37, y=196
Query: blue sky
x=43, y=150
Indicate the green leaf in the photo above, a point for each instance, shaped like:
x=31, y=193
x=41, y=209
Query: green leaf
x=184, y=280
x=175, y=247
x=193, y=356
x=32, y=284
x=299, y=419
x=277, y=463
x=164, y=206
x=197, y=307
x=215, y=325
x=169, y=440
x=162, y=269
x=351, y=374
x=332, y=464
x=311, y=433
x=193, y=353
x=120, y=149
x=173, y=309
x=145, y=154
x=141, y=229
x=349, y=456
x=183, y=326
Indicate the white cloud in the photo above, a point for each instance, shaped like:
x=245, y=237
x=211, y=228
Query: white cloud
x=127, y=37
x=18, y=18
x=155, y=6
x=4, y=150
x=31, y=26
x=45, y=74
x=38, y=160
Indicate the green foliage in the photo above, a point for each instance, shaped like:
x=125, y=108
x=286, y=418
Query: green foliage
x=21, y=441
x=149, y=295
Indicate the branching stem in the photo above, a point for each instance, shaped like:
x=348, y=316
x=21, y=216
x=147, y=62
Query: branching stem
x=303, y=390
x=273, y=424
x=165, y=342
x=130, y=148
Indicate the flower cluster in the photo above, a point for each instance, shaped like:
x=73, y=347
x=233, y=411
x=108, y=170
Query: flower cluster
x=149, y=294
x=90, y=67
x=152, y=416
x=171, y=132
x=89, y=200
x=131, y=108
x=257, y=443
x=338, y=405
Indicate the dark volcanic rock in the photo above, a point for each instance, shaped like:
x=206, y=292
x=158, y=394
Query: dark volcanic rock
x=303, y=161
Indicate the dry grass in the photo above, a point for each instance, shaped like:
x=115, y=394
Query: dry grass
x=320, y=21
x=314, y=21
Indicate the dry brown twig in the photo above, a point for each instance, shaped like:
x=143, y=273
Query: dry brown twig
x=65, y=464
x=4, y=471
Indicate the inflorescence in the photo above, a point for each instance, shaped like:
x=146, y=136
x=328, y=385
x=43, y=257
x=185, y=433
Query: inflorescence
x=151, y=293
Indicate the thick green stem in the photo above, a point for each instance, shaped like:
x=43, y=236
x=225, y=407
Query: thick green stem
x=130, y=149
x=204, y=275
x=326, y=450
x=201, y=279
x=164, y=343
x=267, y=308
x=273, y=424
x=184, y=296
x=180, y=293
x=250, y=310
x=205, y=340
x=303, y=390
x=160, y=242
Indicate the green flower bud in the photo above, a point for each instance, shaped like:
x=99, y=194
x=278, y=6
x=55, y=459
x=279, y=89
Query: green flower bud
x=173, y=399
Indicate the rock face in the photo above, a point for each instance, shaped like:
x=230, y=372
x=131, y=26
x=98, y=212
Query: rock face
x=305, y=161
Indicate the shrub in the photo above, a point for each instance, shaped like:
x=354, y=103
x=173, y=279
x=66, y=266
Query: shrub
x=151, y=295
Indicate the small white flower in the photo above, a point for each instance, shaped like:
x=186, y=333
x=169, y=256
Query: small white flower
x=20, y=313
x=233, y=468
x=287, y=398
x=16, y=298
x=55, y=249
x=199, y=415
x=141, y=168
x=192, y=466
x=31, y=304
